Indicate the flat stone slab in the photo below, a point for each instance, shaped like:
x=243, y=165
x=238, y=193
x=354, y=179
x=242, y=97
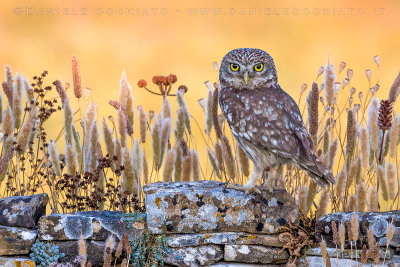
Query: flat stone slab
x=254, y=254
x=315, y=261
x=22, y=211
x=16, y=241
x=209, y=206
x=95, y=251
x=94, y=225
x=195, y=256
x=378, y=221
x=230, y=238
x=16, y=262
x=348, y=254
x=236, y=264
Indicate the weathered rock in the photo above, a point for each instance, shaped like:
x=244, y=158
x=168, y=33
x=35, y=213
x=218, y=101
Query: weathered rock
x=94, y=225
x=16, y=262
x=227, y=238
x=22, y=211
x=208, y=206
x=315, y=261
x=94, y=249
x=254, y=254
x=16, y=241
x=348, y=254
x=378, y=221
x=195, y=256
x=236, y=264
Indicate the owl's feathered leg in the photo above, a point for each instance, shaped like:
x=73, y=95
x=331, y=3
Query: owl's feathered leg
x=250, y=186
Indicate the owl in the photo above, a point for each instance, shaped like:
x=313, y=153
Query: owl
x=263, y=118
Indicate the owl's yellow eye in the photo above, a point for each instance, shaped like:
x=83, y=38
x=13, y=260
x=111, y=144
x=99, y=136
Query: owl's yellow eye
x=234, y=67
x=259, y=67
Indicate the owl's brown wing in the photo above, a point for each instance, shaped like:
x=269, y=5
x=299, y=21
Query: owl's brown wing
x=271, y=120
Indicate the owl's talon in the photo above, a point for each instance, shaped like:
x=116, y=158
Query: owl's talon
x=247, y=190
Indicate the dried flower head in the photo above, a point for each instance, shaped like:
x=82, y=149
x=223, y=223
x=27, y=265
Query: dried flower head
x=76, y=76
x=312, y=101
x=385, y=115
x=142, y=83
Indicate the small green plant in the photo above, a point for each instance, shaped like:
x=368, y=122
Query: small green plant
x=44, y=253
x=149, y=250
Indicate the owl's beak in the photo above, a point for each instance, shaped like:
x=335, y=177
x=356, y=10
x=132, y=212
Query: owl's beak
x=246, y=77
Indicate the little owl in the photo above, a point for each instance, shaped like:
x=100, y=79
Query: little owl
x=264, y=119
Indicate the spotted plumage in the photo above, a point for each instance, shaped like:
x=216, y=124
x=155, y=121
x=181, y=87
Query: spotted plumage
x=264, y=119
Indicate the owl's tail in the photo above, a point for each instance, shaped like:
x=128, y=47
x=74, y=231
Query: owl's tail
x=317, y=171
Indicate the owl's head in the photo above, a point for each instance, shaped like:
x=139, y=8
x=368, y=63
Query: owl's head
x=247, y=68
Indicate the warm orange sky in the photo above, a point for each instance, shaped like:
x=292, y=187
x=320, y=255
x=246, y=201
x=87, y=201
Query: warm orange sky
x=186, y=44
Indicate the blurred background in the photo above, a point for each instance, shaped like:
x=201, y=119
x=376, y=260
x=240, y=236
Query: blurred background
x=147, y=38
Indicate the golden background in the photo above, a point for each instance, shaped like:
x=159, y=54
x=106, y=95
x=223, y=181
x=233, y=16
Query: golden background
x=186, y=44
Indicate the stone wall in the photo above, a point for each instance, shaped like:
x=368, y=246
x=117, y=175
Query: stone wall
x=206, y=224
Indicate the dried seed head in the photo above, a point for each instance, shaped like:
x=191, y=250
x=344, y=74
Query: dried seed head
x=394, y=134
x=142, y=124
x=329, y=84
x=145, y=171
x=166, y=112
x=312, y=102
x=342, y=65
x=302, y=199
x=209, y=111
x=76, y=76
x=351, y=132
x=335, y=233
x=389, y=234
x=342, y=232
x=385, y=115
x=323, y=204
x=361, y=196
x=368, y=74
x=178, y=164
x=325, y=255
x=60, y=90
x=54, y=158
x=332, y=152
x=182, y=104
x=354, y=227
x=215, y=65
x=303, y=87
x=169, y=166
x=108, y=139
x=371, y=238
x=312, y=191
x=382, y=182
x=320, y=71
x=156, y=143
x=165, y=133
x=390, y=177
x=228, y=158
x=187, y=168
x=340, y=184
x=349, y=74
x=373, y=123
x=373, y=199
x=364, y=257
x=180, y=125
x=364, y=146
x=70, y=160
x=195, y=166
x=377, y=60
x=217, y=127
x=394, y=89
x=26, y=131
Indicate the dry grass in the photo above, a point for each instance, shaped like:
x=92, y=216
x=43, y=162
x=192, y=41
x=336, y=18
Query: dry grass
x=354, y=133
